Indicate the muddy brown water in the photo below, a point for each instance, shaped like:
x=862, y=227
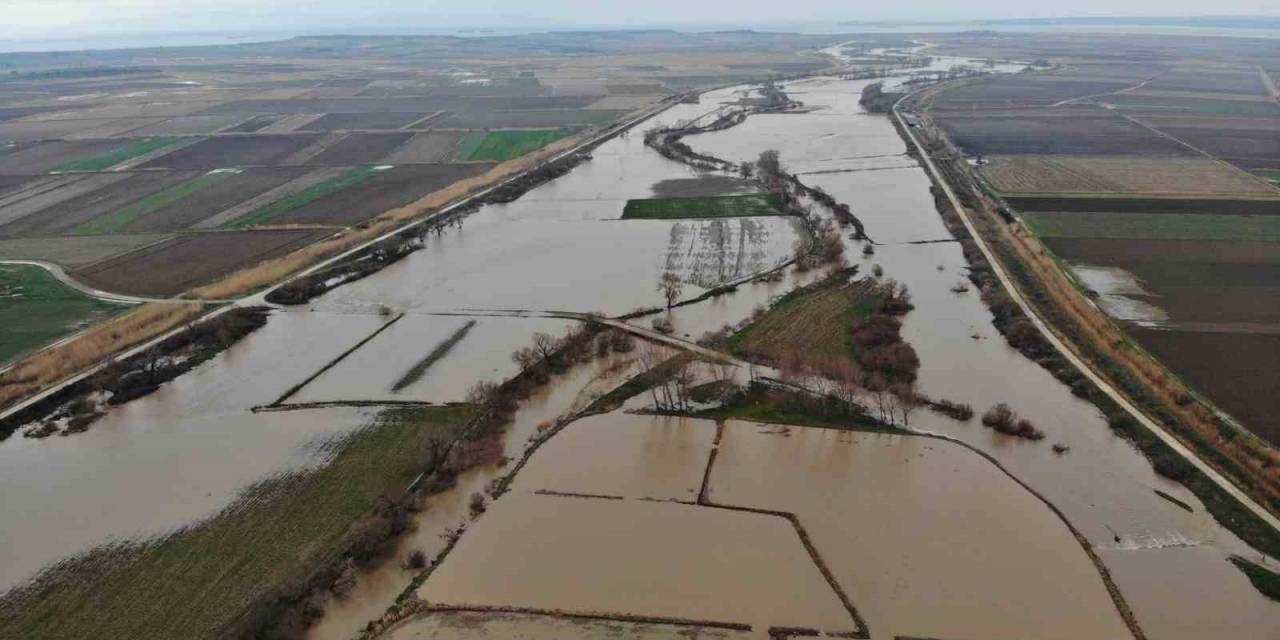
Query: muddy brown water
x=1103, y=485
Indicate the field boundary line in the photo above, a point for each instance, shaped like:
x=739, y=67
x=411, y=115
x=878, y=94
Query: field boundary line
x=1063, y=348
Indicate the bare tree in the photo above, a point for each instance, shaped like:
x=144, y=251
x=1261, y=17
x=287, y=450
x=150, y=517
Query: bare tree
x=545, y=345
x=649, y=357
x=671, y=287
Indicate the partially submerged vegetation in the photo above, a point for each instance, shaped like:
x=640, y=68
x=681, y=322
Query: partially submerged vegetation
x=876, y=100
x=64, y=361
x=731, y=206
x=264, y=566
x=1003, y=419
x=75, y=407
x=1266, y=581
x=35, y=309
x=762, y=402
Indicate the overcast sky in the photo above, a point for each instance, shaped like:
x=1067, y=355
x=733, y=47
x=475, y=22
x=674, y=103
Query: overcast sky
x=40, y=19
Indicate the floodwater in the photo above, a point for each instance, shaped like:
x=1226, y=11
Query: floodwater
x=1104, y=486
x=1121, y=295
x=639, y=557
x=177, y=456
x=623, y=455
x=187, y=451
x=928, y=538
x=468, y=625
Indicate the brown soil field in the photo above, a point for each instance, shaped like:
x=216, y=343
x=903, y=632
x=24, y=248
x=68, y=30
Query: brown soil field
x=43, y=192
x=337, y=121
x=1092, y=133
x=1147, y=205
x=359, y=148
x=1235, y=370
x=423, y=105
x=76, y=129
x=190, y=260
x=189, y=125
x=65, y=215
x=253, y=124
x=433, y=146
x=1245, y=148
x=997, y=92
x=1119, y=174
x=234, y=151
x=525, y=118
x=1221, y=81
x=42, y=157
x=1194, y=281
x=1184, y=96
x=214, y=199
x=385, y=190
x=75, y=251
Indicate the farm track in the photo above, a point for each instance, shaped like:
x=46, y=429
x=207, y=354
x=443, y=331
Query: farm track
x=1065, y=349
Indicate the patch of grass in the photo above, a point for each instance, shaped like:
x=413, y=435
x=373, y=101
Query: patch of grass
x=737, y=206
x=1266, y=581
x=216, y=579
x=36, y=309
x=641, y=383
x=120, y=218
x=1154, y=226
x=269, y=212
x=758, y=403
x=1138, y=103
x=500, y=146
x=122, y=153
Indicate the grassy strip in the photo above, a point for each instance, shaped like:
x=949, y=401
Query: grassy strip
x=120, y=154
x=120, y=218
x=35, y=309
x=663, y=372
x=736, y=206
x=418, y=370
x=1137, y=103
x=760, y=403
x=212, y=579
x=1264, y=580
x=500, y=146
x=812, y=321
x=302, y=198
x=1154, y=226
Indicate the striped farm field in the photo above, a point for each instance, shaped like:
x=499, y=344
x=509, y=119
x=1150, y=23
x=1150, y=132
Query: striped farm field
x=1154, y=226
x=1120, y=174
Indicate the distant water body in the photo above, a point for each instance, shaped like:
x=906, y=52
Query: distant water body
x=151, y=40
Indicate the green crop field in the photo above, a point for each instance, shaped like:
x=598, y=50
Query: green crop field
x=122, y=153
x=120, y=218
x=212, y=579
x=753, y=204
x=1138, y=103
x=302, y=198
x=1154, y=226
x=498, y=146
x=36, y=309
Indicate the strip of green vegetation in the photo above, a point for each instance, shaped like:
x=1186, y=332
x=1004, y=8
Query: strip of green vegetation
x=499, y=146
x=736, y=206
x=1136, y=103
x=122, y=153
x=36, y=309
x=1264, y=580
x=70, y=73
x=1154, y=226
x=759, y=403
x=641, y=383
x=120, y=218
x=222, y=578
x=302, y=198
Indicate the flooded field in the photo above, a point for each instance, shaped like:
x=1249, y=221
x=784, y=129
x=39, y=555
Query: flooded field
x=925, y=537
x=638, y=557
x=891, y=514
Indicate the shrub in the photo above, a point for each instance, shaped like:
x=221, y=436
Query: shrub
x=1003, y=419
